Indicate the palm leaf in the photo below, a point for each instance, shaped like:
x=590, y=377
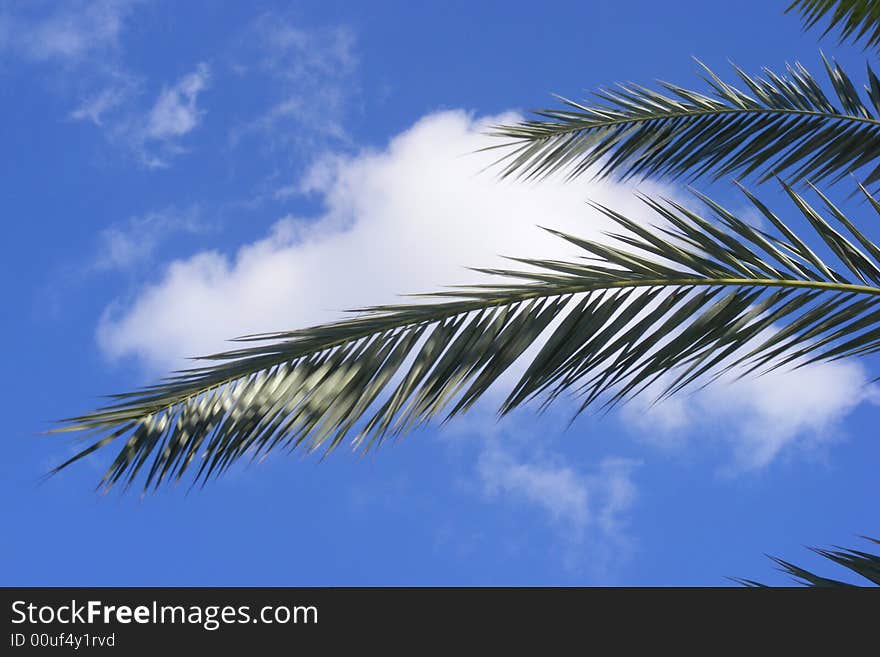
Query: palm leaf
x=672, y=305
x=860, y=19
x=784, y=125
x=863, y=564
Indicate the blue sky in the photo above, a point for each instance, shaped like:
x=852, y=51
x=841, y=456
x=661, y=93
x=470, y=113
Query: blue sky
x=179, y=173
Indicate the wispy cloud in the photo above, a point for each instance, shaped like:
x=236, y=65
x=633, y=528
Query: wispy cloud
x=572, y=500
x=97, y=105
x=303, y=79
x=154, y=135
x=175, y=112
x=554, y=488
x=133, y=242
x=588, y=507
x=83, y=43
x=68, y=32
x=311, y=71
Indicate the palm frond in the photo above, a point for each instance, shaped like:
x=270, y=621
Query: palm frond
x=859, y=19
x=671, y=305
x=777, y=125
x=863, y=564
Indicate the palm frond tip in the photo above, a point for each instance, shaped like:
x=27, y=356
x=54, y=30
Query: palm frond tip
x=864, y=564
x=859, y=19
x=670, y=305
x=775, y=125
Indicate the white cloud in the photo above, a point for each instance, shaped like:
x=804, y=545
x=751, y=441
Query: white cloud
x=133, y=242
x=762, y=417
x=80, y=41
x=303, y=76
x=69, y=32
x=589, y=509
x=311, y=73
x=97, y=105
x=175, y=112
x=299, y=54
x=556, y=489
x=80, y=44
x=154, y=136
x=407, y=219
x=573, y=500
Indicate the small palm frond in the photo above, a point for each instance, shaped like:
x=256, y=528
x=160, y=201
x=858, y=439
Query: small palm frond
x=864, y=564
x=666, y=306
x=778, y=125
x=860, y=19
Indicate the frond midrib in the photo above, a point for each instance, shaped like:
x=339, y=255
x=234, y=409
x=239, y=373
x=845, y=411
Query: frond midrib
x=564, y=129
x=557, y=291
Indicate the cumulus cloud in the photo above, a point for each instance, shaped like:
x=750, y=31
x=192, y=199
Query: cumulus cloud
x=762, y=417
x=409, y=218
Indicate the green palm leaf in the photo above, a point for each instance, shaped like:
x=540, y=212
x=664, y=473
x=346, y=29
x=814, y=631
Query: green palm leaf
x=776, y=125
x=671, y=305
x=860, y=19
x=863, y=564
